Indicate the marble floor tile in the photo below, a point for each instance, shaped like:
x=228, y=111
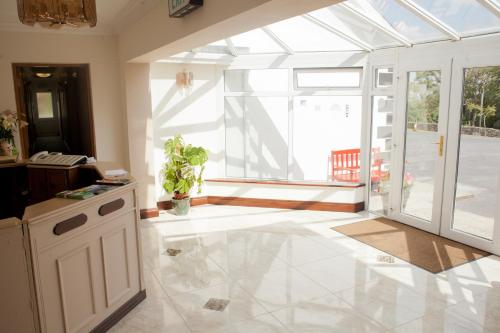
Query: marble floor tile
x=484, y=309
x=288, y=271
x=262, y=324
x=339, y=273
x=155, y=314
x=188, y=273
x=276, y=290
x=440, y=322
x=325, y=314
x=389, y=302
x=241, y=306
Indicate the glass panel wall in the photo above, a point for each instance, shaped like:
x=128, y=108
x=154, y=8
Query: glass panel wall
x=328, y=78
x=479, y=153
x=271, y=134
x=381, y=153
x=256, y=80
x=422, y=117
x=322, y=125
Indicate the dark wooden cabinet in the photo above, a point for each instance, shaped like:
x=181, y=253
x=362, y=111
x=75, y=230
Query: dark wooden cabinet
x=45, y=183
x=13, y=191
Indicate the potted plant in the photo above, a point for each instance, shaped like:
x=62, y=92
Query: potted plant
x=183, y=169
x=8, y=125
x=384, y=188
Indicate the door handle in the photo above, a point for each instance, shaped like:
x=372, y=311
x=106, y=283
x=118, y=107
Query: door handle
x=440, y=145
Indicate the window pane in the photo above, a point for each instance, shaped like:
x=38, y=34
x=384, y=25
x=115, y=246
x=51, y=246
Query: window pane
x=303, y=36
x=255, y=41
x=322, y=124
x=266, y=137
x=44, y=104
x=405, y=22
x=380, y=176
x=329, y=78
x=422, y=120
x=261, y=80
x=235, y=136
x=343, y=20
x=479, y=156
x=465, y=16
x=384, y=77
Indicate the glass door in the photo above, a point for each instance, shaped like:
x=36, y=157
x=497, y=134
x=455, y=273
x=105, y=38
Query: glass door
x=420, y=144
x=471, y=207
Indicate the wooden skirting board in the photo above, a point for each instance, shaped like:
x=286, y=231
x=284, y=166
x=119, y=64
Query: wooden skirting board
x=265, y=203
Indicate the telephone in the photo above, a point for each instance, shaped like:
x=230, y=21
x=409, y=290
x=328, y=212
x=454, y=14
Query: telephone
x=56, y=159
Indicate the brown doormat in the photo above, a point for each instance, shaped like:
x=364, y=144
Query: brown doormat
x=420, y=248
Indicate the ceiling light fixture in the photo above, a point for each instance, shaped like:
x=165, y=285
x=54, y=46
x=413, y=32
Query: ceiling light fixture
x=55, y=13
x=43, y=75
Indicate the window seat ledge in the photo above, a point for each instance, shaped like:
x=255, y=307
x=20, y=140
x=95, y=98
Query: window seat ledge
x=284, y=182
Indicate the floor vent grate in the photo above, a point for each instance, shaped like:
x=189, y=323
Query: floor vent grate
x=216, y=304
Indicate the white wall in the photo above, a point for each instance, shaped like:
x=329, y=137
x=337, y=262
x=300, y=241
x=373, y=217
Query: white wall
x=196, y=113
x=98, y=51
x=140, y=131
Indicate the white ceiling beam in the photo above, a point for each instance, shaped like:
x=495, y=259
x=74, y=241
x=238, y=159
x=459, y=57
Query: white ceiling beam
x=492, y=6
x=339, y=33
x=231, y=47
x=388, y=31
x=275, y=38
x=431, y=19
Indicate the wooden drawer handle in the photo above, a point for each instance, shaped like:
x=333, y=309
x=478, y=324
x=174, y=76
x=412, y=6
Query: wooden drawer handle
x=111, y=207
x=70, y=224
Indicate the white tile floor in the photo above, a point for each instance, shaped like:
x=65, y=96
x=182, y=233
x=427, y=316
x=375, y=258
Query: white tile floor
x=287, y=271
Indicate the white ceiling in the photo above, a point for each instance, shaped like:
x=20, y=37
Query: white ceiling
x=112, y=16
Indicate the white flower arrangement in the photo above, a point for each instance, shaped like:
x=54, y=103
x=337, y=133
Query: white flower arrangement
x=8, y=125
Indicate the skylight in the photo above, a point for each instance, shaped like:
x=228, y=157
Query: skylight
x=406, y=22
x=362, y=25
x=255, y=41
x=303, y=36
x=465, y=16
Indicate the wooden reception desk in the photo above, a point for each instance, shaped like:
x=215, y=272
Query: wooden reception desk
x=72, y=265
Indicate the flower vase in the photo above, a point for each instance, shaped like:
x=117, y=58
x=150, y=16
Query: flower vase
x=6, y=148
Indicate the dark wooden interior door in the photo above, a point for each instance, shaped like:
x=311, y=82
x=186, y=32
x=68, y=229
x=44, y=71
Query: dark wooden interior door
x=45, y=119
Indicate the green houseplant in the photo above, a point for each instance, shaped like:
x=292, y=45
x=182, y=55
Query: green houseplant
x=182, y=170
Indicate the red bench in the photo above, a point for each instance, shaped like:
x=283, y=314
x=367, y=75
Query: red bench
x=346, y=168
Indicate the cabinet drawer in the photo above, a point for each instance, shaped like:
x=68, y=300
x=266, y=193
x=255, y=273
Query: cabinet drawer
x=53, y=230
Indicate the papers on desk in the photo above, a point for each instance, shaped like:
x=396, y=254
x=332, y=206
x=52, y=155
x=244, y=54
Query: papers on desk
x=85, y=192
x=116, y=173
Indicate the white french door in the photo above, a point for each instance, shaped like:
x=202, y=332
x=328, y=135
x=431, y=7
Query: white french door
x=420, y=142
x=471, y=200
x=445, y=176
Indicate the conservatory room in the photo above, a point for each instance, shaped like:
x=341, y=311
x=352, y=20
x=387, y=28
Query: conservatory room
x=352, y=175
x=257, y=166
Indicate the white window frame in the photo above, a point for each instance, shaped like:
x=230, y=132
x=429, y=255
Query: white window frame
x=294, y=91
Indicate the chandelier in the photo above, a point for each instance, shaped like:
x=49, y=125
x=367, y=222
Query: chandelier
x=55, y=13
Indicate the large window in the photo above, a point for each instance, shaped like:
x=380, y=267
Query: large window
x=279, y=130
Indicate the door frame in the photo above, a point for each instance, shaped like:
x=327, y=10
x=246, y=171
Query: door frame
x=453, y=154
x=444, y=65
x=22, y=110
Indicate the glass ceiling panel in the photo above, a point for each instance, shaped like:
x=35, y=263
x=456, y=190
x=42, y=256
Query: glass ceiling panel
x=255, y=41
x=351, y=25
x=221, y=42
x=302, y=35
x=465, y=16
x=404, y=21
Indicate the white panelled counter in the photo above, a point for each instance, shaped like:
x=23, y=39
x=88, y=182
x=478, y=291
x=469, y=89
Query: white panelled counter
x=82, y=262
